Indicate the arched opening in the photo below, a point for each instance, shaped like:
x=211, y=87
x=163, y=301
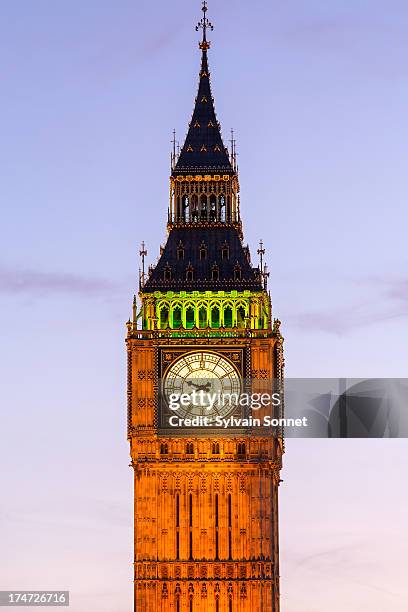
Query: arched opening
x=215, y=273
x=177, y=317
x=222, y=207
x=194, y=208
x=202, y=317
x=228, y=317
x=241, y=449
x=215, y=317
x=167, y=273
x=225, y=251
x=164, y=317
x=190, y=317
x=203, y=208
x=213, y=207
x=241, y=316
x=237, y=272
x=186, y=208
x=215, y=448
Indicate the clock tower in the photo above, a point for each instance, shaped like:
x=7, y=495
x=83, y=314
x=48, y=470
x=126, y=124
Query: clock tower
x=205, y=494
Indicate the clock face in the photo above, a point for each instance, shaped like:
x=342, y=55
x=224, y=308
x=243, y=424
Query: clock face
x=208, y=379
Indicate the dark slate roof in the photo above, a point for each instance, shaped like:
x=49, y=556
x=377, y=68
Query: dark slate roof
x=203, y=150
x=191, y=238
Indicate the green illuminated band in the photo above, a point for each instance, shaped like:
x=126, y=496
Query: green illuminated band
x=206, y=309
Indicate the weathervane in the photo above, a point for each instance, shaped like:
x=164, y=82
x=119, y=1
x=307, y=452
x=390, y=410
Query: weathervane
x=204, y=24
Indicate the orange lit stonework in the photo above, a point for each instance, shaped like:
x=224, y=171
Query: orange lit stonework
x=205, y=503
x=206, y=523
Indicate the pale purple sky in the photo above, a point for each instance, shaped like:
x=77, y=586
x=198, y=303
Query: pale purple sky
x=90, y=92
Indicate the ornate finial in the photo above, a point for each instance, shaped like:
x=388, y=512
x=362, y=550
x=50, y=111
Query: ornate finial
x=134, y=309
x=204, y=24
x=266, y=275
x=261, y=253
x=233, y=154
x=173, y=153
x=143, y=253
x=276, y=327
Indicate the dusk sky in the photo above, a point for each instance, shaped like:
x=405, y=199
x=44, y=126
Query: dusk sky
x=90, y=91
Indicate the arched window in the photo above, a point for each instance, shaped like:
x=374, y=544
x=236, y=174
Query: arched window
x=215, y=273
x=167, y=272
x=225, y=251
x=186, y=208
x=213, y=207
x=222, y=207
x=164, y=317
x=215, y=317
x=241, y=316
x=189, y=448
x=241, y=449
x=203, y=251
x=164, y=449
x=237, y=272
x=190, y=317
x=228, y=317
x=177, y=317
x=180, y=251
x=190, y=273
x=215, y=448
x=202, y=317
x=203, y=207
x=194, y=207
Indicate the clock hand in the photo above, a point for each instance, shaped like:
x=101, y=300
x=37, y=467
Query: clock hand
x=205, y=387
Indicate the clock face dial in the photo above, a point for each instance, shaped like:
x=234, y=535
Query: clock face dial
x=209, y=379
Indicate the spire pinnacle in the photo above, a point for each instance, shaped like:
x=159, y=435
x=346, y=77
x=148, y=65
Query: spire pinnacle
x=204, y=24
x=203, y=151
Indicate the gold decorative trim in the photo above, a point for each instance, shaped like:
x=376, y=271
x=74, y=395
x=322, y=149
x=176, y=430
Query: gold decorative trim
x=199, y=177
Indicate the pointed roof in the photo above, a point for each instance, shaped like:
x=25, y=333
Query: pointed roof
x=170, y=272
x=203, y=150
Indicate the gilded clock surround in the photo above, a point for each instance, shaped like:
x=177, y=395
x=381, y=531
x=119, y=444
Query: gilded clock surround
x=205, y=503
